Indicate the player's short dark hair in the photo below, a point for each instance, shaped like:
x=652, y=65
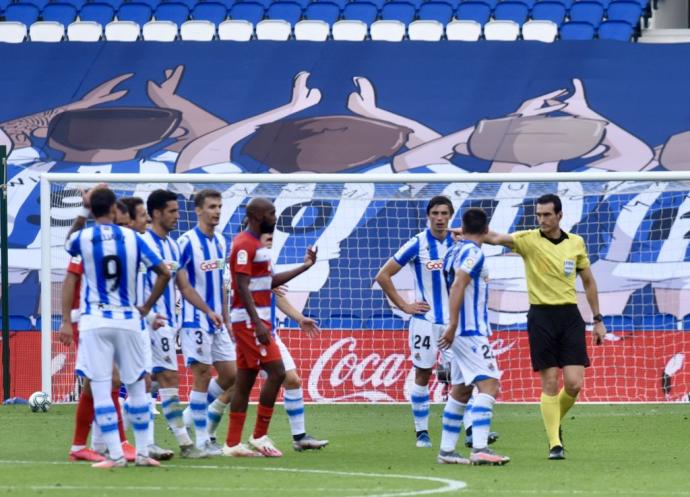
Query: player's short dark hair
x=132, y=203
x=102, y=200
x=158, y=200
x=439, y=200
x=202, y=195
x=122, y=207
x=474, y=221
x=550, y=198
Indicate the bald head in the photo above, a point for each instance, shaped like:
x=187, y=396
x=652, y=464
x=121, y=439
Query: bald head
x=261, y=216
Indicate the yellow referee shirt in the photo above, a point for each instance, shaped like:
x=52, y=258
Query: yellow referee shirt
x=551, y=265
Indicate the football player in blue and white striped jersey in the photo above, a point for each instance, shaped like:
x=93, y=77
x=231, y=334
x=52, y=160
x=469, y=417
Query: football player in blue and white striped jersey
x=111, y=323
x=424, y=253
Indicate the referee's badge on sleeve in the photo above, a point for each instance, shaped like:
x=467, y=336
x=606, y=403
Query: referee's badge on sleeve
x=569, y=267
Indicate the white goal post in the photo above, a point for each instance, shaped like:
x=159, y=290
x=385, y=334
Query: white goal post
x=636, y=226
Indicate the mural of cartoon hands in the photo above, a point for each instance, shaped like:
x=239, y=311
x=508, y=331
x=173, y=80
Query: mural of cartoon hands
x=543, y=104
x=102, y=94
x=163, y=95
x=303, y=97
x=363, y=101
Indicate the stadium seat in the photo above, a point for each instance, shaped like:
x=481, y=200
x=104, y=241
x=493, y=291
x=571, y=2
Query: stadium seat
x=46, y=31
x=228, y=4
x=360, y=11
x=565, y=3
x=511, y=11
x=190, y=4
x=24, y=13
x=501, y=30
x=4, y=4
x=12, y=32
x=629, y=12
x=115, y=4
x=549, y=11
x=349, y=30
x=340, y=3
x=603, y=3
x=302, y=3
x=287, y=11
x=235, y=30
x=377, y=3
x=425, y=30
x=137, y=12
x=264, y=3
x=489, y=3
x=590, y=12
x=398, y=11
x=415, y=3
x=247, y=11
x=151, y=3
x=545, y=31
x=84, y=31
x=39, y=4
x=473, y=11
x=463, y=30
x=322, y=11
x=615, y=30
x=63, y=13
x=273, y=30
x=122, y=31
x=197, y=30
x=172, y=11
x=159, y=31
x=435, y=11
x=312, y=30
x=576, y=31
x=210, y=11
x=453, y=4
x=102, y=13
x=387, y=30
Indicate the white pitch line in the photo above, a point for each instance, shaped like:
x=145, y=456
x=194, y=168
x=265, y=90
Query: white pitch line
x=574, y=491
x=157, y=488
x=448, y=485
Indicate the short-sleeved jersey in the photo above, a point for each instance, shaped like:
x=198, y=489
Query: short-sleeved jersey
x=249, y=257
x=474, y=313
x=76, y=267
x=111, y=256
x=425, y=253
x=551, y=266
x=203, y=258
x=168, y=250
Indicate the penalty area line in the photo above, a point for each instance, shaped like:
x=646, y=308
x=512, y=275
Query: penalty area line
x=446, y=484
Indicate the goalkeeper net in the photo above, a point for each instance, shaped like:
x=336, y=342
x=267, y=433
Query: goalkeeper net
x=636, y=227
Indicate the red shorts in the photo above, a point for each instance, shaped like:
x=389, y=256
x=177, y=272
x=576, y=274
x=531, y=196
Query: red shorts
x=251, y=354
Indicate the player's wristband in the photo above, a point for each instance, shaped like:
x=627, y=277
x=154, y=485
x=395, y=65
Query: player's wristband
x=597, y=318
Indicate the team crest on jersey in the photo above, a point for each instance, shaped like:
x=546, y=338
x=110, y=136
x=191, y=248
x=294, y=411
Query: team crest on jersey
x=172, y=266
x=436, y=265
x=242, y=257
x=212, y=265
x=569, y=267
x=469, y=263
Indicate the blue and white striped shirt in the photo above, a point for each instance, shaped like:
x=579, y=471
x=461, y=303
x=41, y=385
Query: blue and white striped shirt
x=425, y=254
x=168, y=250
x=204, y=259
x=474, y=314
x=111, y=256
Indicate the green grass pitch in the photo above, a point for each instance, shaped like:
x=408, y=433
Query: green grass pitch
x=612, y=450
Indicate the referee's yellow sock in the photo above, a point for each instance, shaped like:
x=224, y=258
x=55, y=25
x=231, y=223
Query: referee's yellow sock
x=551, y=414
x=565, y=401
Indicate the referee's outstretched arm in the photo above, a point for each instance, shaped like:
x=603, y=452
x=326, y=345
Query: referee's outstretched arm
x=493, y=238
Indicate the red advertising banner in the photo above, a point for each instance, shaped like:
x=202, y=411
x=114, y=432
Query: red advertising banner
x=374, y=366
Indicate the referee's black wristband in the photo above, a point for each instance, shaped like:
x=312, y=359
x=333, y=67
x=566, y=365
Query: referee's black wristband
x=597, y=318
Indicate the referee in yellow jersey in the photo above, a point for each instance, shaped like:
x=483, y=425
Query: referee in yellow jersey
x=555, y=327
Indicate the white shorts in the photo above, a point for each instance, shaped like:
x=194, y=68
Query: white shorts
x=423, y=341
x=99, y=347
x=163, y=349
x=288, y=361
x=146, y=344
x=207, y=348
x=472, y=360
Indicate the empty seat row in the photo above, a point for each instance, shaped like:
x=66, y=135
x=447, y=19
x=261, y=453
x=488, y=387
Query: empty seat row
x=306, y=30
x=291, y=12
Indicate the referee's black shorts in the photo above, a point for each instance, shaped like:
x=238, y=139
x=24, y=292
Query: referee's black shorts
x=556, y=336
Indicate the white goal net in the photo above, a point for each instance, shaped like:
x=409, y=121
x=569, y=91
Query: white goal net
x=636, y=227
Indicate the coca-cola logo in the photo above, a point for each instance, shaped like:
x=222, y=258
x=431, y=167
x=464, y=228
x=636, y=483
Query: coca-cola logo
x=434, y=265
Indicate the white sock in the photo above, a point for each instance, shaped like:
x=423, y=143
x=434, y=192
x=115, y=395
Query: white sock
x=214, y=390
x=215, y=414
x=419, y=398
x=198, y=407
x=124, y=405
x=139, y=412
x=482, y=412
x=105, y=416
x=452, y=424
x=150, y=432
x=170, y=403
x=467, y=419
x=294, y=407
